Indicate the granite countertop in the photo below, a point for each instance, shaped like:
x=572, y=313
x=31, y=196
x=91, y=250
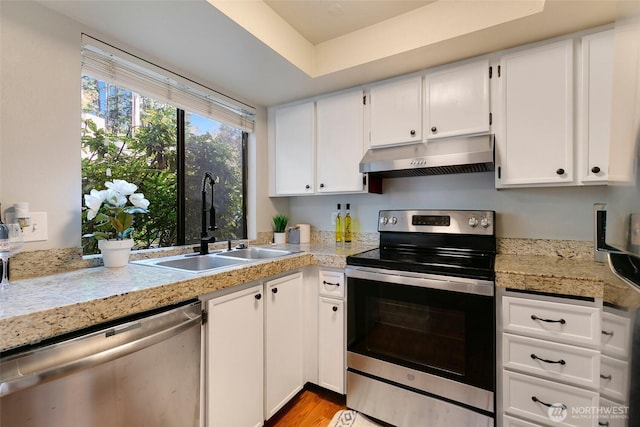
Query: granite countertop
x=580, y=277
x=37, y=308
x=42, y=307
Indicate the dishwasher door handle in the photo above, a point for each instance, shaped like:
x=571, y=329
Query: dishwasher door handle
x=21, y=382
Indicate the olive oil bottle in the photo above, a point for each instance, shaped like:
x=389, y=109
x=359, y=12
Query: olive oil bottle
x=339, y=225
x=347, y=224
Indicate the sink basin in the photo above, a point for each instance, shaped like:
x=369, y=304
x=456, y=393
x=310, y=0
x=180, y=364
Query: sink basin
x=215, y=260
x=193, y=263
x=253, y=253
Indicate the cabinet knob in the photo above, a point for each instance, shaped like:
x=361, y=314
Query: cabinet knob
x=321, y=185
x=560, y=171
x=258, y=296
x=595, y=169
x=334, y=308
x=274, y=290
x=307, y=186
x=434, y=129
x=412, y=132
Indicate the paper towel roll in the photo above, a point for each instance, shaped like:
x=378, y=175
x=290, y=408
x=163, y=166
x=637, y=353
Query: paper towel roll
x=305, y=233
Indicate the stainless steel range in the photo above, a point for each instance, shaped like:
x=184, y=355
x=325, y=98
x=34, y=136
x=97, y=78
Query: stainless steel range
x=421, y=324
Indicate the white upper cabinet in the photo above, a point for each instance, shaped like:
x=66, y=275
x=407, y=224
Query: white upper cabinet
x=294, y=149
x=457, y=100
x=535, y=141
x=396, y=112
x=340, y=142
x=597, y=83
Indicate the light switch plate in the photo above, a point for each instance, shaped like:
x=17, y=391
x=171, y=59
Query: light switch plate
x=37, y=231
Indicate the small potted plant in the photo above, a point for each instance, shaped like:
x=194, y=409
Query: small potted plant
x=121, y=202
x=279, y=228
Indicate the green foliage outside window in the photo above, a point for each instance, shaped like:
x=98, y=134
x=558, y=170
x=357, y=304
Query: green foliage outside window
x=145, y=153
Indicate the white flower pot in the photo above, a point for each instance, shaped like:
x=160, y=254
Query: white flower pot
x=279, y=238
x=115, y=253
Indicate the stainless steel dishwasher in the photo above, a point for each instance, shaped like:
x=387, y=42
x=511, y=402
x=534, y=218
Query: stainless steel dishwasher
x=144, y=371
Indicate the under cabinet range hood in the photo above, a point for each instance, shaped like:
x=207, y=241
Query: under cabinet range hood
x=436, y=157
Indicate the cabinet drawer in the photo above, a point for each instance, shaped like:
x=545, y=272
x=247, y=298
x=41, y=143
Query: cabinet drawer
x=615, y=335
x=331, y=283
x=613, y=378
x=508, y=421
x=526, y=396
x=576, y=365
x=613, y=414
x=562, y=322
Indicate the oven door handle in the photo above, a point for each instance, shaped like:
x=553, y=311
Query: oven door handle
x=431, y=281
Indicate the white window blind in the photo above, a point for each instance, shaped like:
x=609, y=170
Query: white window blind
x=116, y=66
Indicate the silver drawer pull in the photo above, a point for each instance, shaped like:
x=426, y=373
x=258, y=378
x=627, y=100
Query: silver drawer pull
x=561, y=361
x=324, y=282
x=561, y=321
x=606, y=377
x=550, y=405
x=608, y=333
x=603, y=424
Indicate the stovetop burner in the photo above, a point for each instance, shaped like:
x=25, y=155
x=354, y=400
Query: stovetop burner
x=446, y=243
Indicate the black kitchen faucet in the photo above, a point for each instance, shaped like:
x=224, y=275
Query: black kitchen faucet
x=205, y=239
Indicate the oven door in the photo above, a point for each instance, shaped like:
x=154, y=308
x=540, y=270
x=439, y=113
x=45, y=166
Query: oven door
x=416, y=333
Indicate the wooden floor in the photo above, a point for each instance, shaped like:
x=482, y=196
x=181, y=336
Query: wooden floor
x=313, y=407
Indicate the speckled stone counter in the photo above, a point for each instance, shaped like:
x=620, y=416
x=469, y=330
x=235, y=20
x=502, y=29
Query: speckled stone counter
x=37, y=308
x=559, y=267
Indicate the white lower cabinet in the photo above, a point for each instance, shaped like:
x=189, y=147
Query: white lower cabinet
x=331, y=344
x=253, y=351
x=551, y=365
x=331, y=330
x=283, y=341
x=234, y=333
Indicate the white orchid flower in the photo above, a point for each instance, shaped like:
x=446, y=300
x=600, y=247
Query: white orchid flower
x=121, y=186
x=93, y=201
x=138, y=200
x=115, y=198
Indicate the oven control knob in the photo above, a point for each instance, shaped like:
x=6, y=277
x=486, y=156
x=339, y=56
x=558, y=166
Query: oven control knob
x=484, y=223
x=393, y=220
x=473, y=222
x=384, y=220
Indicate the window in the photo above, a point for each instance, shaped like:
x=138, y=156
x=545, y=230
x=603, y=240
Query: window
x=165, y=149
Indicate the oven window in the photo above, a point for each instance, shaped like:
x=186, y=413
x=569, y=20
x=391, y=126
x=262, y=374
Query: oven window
x=449, y=334
x=420, y=334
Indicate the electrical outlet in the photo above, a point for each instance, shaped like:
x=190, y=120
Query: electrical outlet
x=37, y=230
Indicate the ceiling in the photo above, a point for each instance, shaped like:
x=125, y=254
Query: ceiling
x=322, y=20
x=275, y=51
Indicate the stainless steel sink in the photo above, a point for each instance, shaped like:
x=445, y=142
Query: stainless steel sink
x=253, y=253
x=193, y=263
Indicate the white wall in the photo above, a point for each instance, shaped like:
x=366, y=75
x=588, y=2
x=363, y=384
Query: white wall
x=40, y=123
x=546, y=213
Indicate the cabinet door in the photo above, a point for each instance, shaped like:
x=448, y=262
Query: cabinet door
x=396, y=112
x=340, y=142
x=597, y=84
x=331, y=369
x=234, y=349
x=283, y=337
x=457, y=100
x=294, y=139
x=535, y=146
